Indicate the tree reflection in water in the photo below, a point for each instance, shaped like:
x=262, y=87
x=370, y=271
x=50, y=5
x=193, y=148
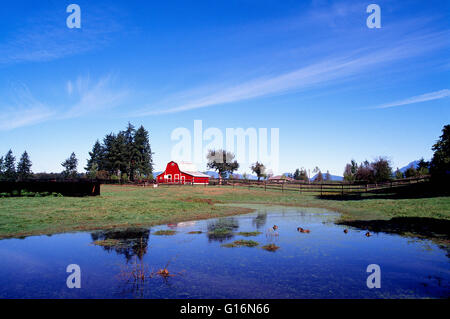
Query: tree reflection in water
x=133, y=243
x=129, y=242
x=260, y=220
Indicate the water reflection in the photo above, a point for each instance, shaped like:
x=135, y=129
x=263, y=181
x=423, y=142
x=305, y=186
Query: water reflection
x=260, y=220
x=129, y=242
x=325, y=263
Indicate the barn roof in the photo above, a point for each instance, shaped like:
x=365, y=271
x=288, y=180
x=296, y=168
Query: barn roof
x=187, y=166
x=190, y=169
x=195, y=174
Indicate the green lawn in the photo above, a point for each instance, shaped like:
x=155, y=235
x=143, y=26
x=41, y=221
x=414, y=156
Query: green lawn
x=125, y=206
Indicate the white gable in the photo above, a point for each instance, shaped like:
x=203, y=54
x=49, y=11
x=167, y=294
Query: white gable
x=187, y=167
x=190, y=169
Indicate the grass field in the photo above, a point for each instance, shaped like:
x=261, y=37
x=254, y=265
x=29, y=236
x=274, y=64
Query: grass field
x=126, y=206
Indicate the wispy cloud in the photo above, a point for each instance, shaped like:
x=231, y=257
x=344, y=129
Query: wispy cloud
x=24, y=110
x=416, y=99
x=92, y=98
x=323, y=72
x=83, y=97
x=46, y=37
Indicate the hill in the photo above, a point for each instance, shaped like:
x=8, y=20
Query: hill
x=332, y=177
x=413, y=163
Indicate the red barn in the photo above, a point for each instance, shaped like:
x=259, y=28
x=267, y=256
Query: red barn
x=182, y=173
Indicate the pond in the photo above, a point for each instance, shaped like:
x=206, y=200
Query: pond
x=324, y=263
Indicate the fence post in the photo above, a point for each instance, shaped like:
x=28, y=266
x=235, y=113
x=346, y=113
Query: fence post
x=367, y=187
x=321, y=186
x=300, y=188
x=342, y=189
x=265, y=185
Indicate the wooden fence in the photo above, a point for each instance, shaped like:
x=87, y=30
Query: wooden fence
x=336, y=188
x=65, y=188
x=324, y=188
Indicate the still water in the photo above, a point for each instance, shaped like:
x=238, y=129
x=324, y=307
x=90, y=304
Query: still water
x=325, y=263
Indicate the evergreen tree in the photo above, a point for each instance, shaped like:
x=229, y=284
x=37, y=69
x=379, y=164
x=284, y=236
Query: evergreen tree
x=144, y=165
x=24, y=167
x=319, y=177
x=440, y=163
x=96, y=158
x=131, y=154
x=423, y=167
x=107, y=163
x=1, y=168
x=119, y=154
x=328, y=176
x=304, y=175
x=411, y=172
x=70, y=166
x=126, y=155
x=114, y=156
x=9, y=166
x=296, y=174
x=398, y=174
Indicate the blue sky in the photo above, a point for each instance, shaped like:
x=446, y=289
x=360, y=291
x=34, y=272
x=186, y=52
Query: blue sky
x=336, y=89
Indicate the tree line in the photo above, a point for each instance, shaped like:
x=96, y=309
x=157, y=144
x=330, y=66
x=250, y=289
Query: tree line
x=126, y=156
x=379, y=170
x=9, y=170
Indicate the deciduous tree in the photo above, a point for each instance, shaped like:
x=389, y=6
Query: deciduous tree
x=259, y=169
x=222, y=162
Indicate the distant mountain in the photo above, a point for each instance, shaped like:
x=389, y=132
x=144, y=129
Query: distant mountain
x=214, y=174
x=413, y=163
x=332, y=177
